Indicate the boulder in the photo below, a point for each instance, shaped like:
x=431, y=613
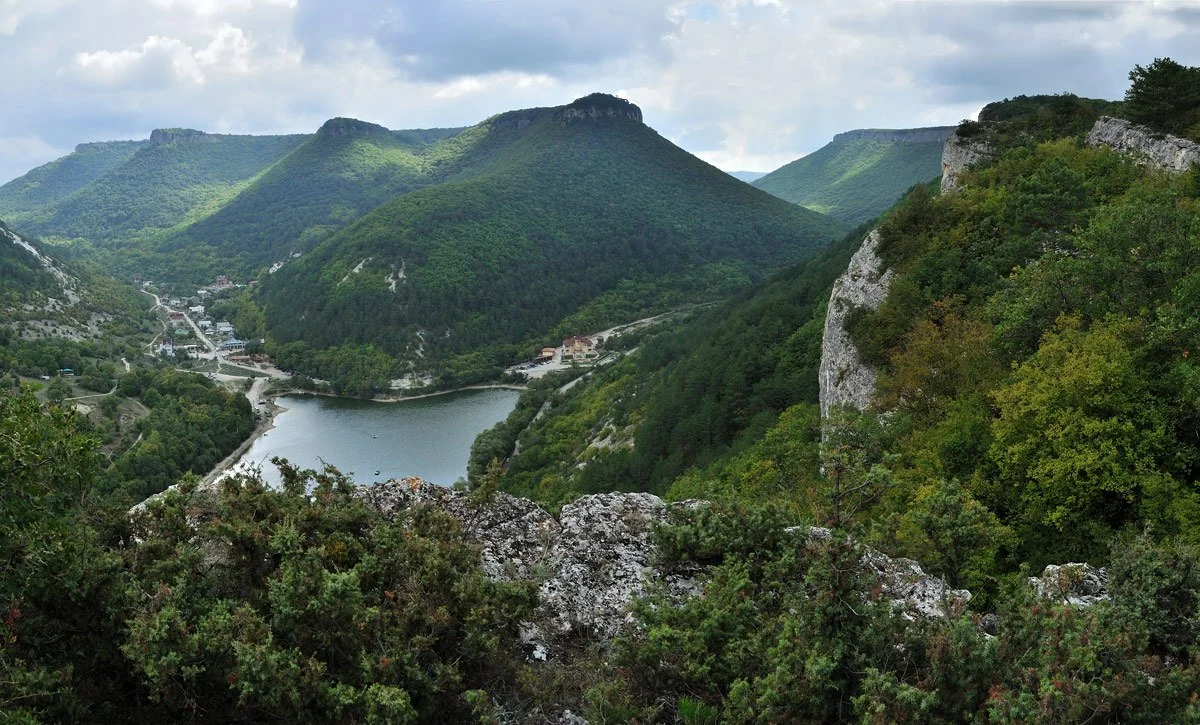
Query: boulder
x=1077, y=584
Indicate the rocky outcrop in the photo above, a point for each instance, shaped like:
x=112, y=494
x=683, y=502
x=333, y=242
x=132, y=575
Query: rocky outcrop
x=353, y=128
x=960, y=153
x=164, y=136
x=1164, y=151
x=1081, y=585
x=601, y=105
x=844, y=378
x=599, y=555
x=932, y=134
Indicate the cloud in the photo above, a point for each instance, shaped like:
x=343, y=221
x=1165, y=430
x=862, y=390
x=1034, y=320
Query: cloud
x=156, y=63
x=19, y=154
x=444, y=40
x=746, y=84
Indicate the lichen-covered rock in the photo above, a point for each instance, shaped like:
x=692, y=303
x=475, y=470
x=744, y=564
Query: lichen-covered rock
x=603, y=559
x=1077, y=584
x=1164, y=151
x=515, y=535
x=914, y=592
x=844, y=378
x=959, y=153
x=904, y=583
x=591, y=563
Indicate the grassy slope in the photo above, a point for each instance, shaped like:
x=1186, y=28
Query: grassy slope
x=855, y=180
x=62, y=177
x=540, y=218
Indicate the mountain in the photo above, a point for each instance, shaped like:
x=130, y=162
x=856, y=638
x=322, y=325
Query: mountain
x=60, y=178
x=859, y=174
x=748, y=176
x=344, y=170
x=176, y=176
x=556, y=220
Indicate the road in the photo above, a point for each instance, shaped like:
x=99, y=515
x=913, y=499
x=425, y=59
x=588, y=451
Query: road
x=557, y=363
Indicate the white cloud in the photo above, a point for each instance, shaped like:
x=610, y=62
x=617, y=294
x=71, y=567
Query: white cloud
x=746, y=84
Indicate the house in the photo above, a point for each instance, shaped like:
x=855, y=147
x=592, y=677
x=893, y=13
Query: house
x=197, y=310
x=204, y=324
x=546, y=355
x=223, y=328
x=579, y=348
x=223, y=282
x=233, y=345
x=166, y=349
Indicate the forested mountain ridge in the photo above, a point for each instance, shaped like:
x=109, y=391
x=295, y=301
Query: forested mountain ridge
x=64, y=176
x=580, y=213
x=345, y=169
x=860, y=173
x=177, y=176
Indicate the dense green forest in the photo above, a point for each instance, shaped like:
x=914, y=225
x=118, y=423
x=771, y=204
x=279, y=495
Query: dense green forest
x=599, y=219
x=859, y=174
x=1035, y=351
x=346, y=169
x=1037, y=402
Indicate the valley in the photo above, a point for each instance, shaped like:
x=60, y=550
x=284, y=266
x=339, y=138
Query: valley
x=547, y=420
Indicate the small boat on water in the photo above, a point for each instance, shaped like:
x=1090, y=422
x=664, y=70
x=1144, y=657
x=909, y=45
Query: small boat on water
x=374, y=436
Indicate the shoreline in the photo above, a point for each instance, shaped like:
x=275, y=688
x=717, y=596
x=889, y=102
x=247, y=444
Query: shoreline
x=264, y=426
x=403, y=398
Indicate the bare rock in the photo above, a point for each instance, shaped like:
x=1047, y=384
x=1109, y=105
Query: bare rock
x=914, y=592
x=515, y=535
x=1077, y=584
x=1160, y=150
x=844, y=378
x=960, y=153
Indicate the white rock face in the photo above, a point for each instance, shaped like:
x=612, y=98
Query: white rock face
x=960, y=153
x=1164, y=151
x=844, y=378
x=1081, y=585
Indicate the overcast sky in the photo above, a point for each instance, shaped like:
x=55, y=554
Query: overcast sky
x=744, y=84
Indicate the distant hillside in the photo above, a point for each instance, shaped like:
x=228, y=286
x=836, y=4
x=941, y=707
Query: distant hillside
x=554, y=219
x=747, y=176
x=344, y=170
x=61, y=178
x=42, y=297
x=178, y=175
x=860, y=173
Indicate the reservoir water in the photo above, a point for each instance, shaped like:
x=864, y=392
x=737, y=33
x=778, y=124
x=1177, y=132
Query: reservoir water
x=428, y=437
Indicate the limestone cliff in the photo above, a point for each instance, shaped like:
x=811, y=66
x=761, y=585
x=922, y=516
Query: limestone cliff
x=959, y=153
x=1164, y=151
x=844, y=378
x=164, y=136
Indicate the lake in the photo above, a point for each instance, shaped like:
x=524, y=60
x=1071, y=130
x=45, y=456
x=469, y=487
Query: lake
x=428, y=437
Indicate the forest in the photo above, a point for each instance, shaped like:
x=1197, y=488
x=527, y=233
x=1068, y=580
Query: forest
x=1037, y=402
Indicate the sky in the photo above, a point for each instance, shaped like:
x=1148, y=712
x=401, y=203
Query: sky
x=743, y=84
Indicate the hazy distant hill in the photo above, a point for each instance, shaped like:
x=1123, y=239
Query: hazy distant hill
x=577, y=210
x=860, y=173
x=747, y=176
